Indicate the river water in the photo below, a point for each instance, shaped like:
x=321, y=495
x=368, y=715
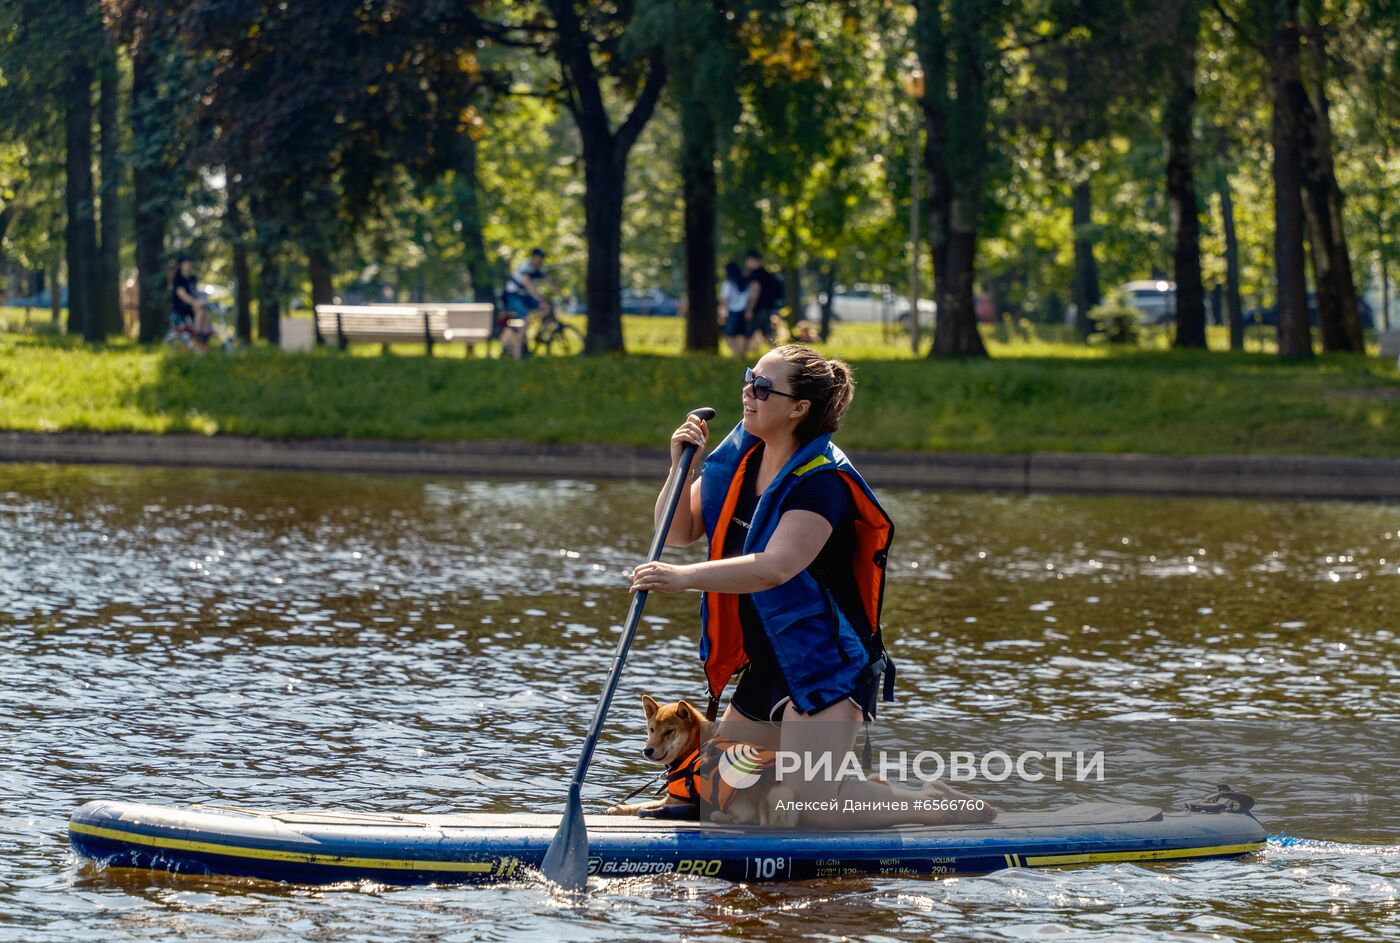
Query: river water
x=417, y=644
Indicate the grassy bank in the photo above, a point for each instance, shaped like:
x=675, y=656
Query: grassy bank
x=1036, y=394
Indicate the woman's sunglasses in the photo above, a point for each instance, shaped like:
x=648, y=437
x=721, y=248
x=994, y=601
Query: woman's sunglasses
x=762, y=386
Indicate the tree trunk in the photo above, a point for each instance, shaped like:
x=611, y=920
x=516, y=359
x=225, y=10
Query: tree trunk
x=701, y=196
x=1232, y=263
x=7, y=216
x=81, y=231
x=1087, y=293
x=1322, y=239
x=931, y=42
x=827, y=293
x=318, y=262
x=792, y=292
x=109, y=285
x=56, y=289
x=1338, y=314
x=604, y=168
x=269, y=293
x=1286, y=88
x=467, y=193
x=269, y=254
x=150, y=195
x=237, y=226
x=602, y=227
x=1181, y=183
x=1383, y=261
x=956, y=333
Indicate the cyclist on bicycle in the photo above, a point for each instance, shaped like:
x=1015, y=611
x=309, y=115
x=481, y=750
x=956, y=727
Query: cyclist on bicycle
x=522, y=295
x=189, y=312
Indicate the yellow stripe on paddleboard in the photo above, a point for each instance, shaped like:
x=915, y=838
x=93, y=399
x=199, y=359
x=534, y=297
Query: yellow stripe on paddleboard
x=1036, y=861
x=267, y=854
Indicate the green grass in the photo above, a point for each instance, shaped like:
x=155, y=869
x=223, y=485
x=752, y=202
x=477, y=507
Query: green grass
x=1037, y=393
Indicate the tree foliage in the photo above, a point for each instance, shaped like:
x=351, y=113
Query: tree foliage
x=421, y=149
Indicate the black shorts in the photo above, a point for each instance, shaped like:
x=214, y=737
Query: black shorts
x=762, y=695
x=763, y=321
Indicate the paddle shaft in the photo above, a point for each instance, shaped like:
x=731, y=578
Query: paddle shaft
x=674, y=489
x=566, y=861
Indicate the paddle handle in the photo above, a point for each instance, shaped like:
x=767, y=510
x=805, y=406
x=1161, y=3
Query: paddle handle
x=675, y=487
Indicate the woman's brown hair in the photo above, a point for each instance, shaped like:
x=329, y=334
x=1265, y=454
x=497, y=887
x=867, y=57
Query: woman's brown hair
x=828, y=384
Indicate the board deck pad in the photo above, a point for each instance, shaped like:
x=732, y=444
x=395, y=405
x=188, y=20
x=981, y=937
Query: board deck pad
x=322, y=846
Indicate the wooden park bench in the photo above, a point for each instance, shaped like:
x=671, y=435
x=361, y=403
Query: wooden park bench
x=428, y=324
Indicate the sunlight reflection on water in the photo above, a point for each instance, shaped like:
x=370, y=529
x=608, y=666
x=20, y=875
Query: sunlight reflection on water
x=436, y=645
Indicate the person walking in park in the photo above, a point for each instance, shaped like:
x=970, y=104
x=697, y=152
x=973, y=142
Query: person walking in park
x=735, y=303
x=766, y=297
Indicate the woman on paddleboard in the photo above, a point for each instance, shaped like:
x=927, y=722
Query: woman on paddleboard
x=793, y=585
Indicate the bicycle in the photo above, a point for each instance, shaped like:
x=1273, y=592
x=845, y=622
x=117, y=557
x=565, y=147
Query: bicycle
x=181, y=335
x=554, y=337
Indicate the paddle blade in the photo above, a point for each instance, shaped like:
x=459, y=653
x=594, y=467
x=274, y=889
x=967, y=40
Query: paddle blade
x=566, y=861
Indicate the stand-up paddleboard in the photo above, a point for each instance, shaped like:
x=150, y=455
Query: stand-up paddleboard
x=326, y=847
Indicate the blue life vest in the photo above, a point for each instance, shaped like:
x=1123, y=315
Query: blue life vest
x=820, y=653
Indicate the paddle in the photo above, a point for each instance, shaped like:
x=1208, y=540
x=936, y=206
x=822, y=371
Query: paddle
x=566, y=861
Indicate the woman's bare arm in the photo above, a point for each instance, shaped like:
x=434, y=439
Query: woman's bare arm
x=798, y=539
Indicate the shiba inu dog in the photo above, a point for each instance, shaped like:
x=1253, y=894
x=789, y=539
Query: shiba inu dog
x=725, y=782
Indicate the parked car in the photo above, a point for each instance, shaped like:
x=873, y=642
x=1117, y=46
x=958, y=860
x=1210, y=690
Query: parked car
x=858, y=304
x=869, y=304
x=1155, y=299
x=1268, y=317
x=653, y=301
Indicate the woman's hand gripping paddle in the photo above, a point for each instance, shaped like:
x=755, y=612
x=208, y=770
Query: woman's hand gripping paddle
x=566, y=861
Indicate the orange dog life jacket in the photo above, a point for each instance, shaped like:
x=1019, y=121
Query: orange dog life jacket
x=699, y=778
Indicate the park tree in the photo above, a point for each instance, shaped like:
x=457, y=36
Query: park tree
x=107, y=302
x=1337, y=311
x=1307, y=198
x=158, y=119
x=1089, y=74
x=1371, y=92
x=958, y=45
x=700, y=41
x=347, y=96
x=1272, y=27
x=80, y=232
x=807, y=154
x=602, y=55
x=1178, y=120
x=1227, y=94
x=1233, y=133
x=49, y=60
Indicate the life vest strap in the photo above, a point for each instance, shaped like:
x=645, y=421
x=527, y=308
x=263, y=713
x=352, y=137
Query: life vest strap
x=881, y=664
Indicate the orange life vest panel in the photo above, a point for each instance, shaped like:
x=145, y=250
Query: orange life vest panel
x=708, y=774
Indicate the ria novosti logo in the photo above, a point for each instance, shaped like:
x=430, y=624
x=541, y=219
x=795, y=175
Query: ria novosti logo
x=741, y=765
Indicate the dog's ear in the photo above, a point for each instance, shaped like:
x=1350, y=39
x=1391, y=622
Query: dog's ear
x=684, y=707
x=650, y=706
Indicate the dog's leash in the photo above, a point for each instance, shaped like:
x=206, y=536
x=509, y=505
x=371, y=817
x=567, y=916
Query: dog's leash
x=646, y=784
